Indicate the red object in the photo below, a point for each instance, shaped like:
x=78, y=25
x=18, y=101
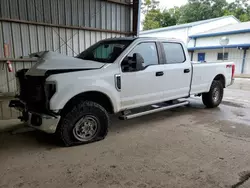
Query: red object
x=233, y=70
x=10, y=69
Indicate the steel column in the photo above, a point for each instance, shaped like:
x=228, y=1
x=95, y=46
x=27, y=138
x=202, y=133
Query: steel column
x=244, y=60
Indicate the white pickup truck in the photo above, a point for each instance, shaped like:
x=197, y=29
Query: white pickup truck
x=73, y=96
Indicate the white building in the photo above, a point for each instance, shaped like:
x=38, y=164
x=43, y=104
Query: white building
x=206, y=46
x=183, y=31
x=203, y=40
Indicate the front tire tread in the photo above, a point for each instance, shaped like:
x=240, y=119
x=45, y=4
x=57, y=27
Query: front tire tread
x=64, y=130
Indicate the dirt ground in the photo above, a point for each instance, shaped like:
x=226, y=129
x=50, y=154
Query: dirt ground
x=188, y=147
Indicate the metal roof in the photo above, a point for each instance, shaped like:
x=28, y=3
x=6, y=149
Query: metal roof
x=219, y=47
x=186, y=25
x=243, y=27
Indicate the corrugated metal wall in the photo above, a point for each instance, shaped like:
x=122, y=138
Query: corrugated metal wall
x=65, y=26
x=98, y=14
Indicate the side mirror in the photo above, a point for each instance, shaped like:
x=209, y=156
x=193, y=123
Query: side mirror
x=138, y=59
x=125, y=61
x=134, y=63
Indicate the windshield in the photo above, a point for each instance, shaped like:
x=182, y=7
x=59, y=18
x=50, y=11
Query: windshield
x=105, y=51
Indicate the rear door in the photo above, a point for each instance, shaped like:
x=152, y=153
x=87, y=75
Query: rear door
x=177, y=71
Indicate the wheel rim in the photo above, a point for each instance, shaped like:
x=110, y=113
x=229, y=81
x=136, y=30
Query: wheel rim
x=216, y=94
x=86, y=128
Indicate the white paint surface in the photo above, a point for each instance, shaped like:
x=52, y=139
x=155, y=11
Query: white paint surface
x=242, y=38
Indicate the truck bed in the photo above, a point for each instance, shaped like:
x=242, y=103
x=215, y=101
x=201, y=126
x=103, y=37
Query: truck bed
x=204, y=73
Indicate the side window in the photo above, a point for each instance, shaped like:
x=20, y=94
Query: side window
x=174, y=52
x=220, y=56
x=148, y=51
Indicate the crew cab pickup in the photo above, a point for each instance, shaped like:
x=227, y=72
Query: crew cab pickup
x=73, y=96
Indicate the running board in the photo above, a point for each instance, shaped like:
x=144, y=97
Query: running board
x=155, y=109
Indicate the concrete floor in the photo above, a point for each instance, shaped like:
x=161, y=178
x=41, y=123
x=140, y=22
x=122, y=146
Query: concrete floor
x=189, y=147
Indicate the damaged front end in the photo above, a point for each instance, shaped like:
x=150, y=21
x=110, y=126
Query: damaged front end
x=32, y=101
x=36, y=89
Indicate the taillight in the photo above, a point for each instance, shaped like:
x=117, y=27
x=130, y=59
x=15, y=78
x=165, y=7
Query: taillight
x=233, y=70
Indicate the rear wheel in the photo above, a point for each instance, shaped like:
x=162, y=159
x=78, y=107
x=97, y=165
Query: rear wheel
x=214, y=97
x=86, y=122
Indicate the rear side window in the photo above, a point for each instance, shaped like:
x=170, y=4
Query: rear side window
x=174, y=52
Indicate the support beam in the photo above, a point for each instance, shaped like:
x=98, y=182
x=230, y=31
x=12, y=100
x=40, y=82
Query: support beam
x=244, y=60
x=119, y=2
x=17, y=60
x=135, y=17
x=192, y=55
x=63, y=26
x=139, y=18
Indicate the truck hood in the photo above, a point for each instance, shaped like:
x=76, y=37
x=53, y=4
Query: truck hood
x=55, y=62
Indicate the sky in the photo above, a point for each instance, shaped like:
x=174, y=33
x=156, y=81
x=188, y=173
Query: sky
x=172, y=3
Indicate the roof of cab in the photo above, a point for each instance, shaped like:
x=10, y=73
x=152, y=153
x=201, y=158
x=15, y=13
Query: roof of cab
x=143, y=39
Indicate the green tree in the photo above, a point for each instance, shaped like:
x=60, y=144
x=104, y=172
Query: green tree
x=240, y=9
x=167, y=19
x=151, y=20
x=148, y=5
x=175, y=13
x=196, y=10
x=155, y=18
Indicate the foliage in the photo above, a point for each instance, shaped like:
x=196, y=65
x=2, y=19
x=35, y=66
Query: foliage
x=148, y=5
x=151, y=20
x=194, y=10
x=240, y=9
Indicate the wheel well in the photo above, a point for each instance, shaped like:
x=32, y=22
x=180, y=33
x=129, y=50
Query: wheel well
x=220, y=78
x=94, y=96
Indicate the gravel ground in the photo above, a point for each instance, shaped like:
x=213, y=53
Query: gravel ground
x=186, y=147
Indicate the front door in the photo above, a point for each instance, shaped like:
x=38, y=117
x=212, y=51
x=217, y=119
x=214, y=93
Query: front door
x=139, y=88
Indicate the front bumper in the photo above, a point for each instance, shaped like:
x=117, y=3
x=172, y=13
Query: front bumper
x=44, y=122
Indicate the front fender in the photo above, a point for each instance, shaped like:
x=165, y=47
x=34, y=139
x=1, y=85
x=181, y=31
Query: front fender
x=67, y=92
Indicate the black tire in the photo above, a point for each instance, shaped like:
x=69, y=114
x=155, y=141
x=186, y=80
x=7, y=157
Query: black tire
x=67, y=132
x=214, y=97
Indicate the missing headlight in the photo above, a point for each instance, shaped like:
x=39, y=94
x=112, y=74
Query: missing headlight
x=50, y=89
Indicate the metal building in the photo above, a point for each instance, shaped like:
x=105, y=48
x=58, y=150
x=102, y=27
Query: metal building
x=64, y=26
x=206, y=46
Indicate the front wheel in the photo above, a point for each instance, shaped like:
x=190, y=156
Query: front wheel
x=214, y=97
x=84, y=123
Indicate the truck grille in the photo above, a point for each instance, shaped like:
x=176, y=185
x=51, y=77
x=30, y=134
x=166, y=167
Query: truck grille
x=31, y=90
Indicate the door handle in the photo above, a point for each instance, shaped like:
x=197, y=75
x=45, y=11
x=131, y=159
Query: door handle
x=186, y=70
x=159, y=73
